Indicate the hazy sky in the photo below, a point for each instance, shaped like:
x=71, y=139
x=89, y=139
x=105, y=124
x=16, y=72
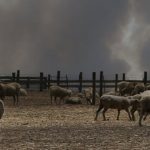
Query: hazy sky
x=74, y=36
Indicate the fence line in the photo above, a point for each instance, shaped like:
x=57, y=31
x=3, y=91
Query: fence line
x=42, y=82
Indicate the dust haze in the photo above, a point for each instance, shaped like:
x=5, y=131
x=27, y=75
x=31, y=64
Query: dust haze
x=74, y=36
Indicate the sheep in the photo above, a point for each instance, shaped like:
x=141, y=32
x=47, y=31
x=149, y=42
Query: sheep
x=22, y=92
x=135, y=100
x=114, y=102
x=147, y=86
x=139, y=87
x=10, y=89
x=144, y=105
x=111, y=93
x=73, y=100
x=57, y=91
x=1, y=108
x=126, y=87
x=88, y=92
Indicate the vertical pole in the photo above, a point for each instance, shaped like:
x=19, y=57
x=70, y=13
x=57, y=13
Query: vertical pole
x=123, y=76
x=116, y=82
x=94, y=88
x=41, y=81
x=13, y=76
x=28, y=82
x=67, y=81
x=101, y=84
x=80, y=82
x=58, y=78
x=18, y=75
x=145, y=78
x=45, y=83
x=49, y=80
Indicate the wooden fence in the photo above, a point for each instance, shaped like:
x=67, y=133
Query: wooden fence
x=42, y=82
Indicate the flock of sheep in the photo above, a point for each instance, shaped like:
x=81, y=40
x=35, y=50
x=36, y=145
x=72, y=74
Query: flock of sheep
x=130, y=97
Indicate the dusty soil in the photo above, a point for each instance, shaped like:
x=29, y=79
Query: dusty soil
x=36, y=124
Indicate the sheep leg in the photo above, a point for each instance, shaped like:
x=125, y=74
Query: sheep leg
x=127, y=110
x=89, y=101
x=55, y=98
x=140, y=118
x=132, y=113
x=14, y=100
x=104, y=118
x=17, y=99
x=60, y=100
x=97, y=112
x=118, y=114
x=51, y=100
x=145, y=116
x=3, y=97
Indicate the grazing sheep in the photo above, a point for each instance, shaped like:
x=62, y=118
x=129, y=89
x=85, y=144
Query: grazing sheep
x=22, y=92
x=126, y=88
x=134, y=107
x=88, y=92
x=10, y=89
x=144, y=106
x=135, y=100
x=139, y=87
x=111, y=93
x=73, y=100
x=114, y=102
x=1, y=108
x=57, y=91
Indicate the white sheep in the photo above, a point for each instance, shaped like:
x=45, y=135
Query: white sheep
x=23, y=92
x=10, y=89
x=57, y=91
x=111, y=93
x=1, y=108
x=126, y=88
x=139, y=87
x=88, y=92
x=144, y=105
x=135, y=102
x=113, y=102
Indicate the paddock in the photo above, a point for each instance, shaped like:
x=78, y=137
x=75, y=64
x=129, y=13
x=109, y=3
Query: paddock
x=36, y=124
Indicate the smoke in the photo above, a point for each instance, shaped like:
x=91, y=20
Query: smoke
x=73, y=36
x=135, y=35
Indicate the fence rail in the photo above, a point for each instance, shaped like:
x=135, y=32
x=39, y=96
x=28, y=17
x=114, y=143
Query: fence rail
x=42, y=82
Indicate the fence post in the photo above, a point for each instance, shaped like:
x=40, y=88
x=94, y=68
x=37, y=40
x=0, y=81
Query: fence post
x=101, y=84
x=58, y=78
x=67, y=81
x=94, y=88
x=45, y=82
x=80, y=81
x=145, y=78
x=49, y=80
x=123, y=76
x=13, y=76
x=18, y=75
x=28, y=82
x=41, y=81
x=116, y=82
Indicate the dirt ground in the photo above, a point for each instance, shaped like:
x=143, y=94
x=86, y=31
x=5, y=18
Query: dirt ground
x=36, y=124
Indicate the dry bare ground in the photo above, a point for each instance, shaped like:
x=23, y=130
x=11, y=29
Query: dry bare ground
x=36, y=124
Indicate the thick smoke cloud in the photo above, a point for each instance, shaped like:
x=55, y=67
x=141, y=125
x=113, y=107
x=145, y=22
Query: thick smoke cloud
x=68, y=35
